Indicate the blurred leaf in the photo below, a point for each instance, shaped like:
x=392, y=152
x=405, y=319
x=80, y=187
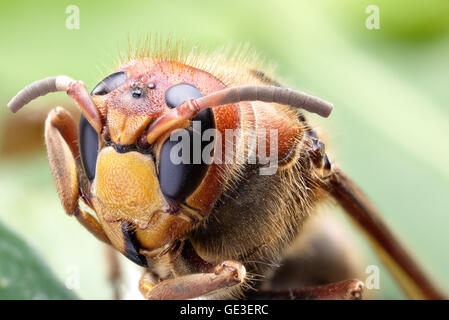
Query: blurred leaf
x=412, y=21
x=22, y=273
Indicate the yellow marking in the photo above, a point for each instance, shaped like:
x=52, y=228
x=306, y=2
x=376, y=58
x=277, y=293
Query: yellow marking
x=127, y=187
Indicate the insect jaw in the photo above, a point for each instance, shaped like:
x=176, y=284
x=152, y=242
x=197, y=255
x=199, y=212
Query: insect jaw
x=131, y=247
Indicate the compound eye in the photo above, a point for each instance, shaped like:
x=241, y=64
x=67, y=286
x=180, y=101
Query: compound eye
x=178, y=179
x=109, y=83
x=181, y=163
x=88, y=143
x=179, y=93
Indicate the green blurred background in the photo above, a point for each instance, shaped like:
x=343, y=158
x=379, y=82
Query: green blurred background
x=389, y=129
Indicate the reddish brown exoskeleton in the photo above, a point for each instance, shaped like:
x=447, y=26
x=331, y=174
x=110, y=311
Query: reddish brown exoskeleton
x=203, y=228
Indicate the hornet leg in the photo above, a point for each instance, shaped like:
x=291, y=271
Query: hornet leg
x=226, y=274
x=61, y=138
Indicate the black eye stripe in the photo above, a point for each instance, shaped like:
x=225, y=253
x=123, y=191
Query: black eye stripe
x=179, y=93
x=88, y=144
x=109, y=83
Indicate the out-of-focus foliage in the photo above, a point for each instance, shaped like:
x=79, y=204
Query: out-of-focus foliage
x=402, y=21
x=22, y=273
x=389, y=129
